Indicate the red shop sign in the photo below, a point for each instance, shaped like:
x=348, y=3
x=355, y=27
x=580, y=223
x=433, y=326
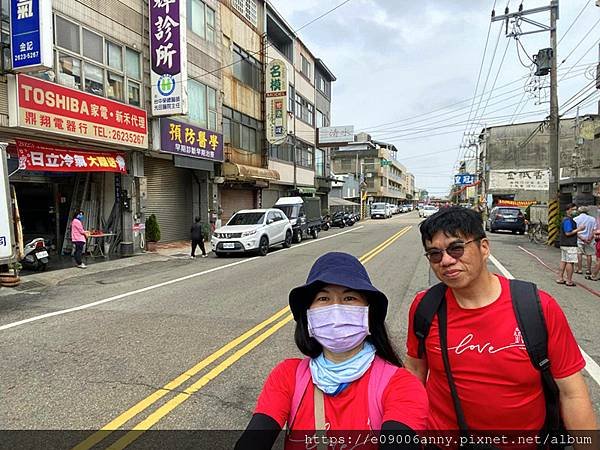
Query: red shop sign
x=50, y=158
x=40, y=105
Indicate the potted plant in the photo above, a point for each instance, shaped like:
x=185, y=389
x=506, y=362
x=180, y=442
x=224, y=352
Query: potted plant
x=11, y=278
x=152, y=233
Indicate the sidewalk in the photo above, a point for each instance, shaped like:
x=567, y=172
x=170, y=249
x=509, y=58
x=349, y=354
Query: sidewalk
x=165, y=251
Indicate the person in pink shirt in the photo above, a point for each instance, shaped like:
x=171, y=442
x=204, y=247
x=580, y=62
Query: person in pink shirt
x=78, y=237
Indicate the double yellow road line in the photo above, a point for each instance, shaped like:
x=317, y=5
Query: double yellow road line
x=275, y=322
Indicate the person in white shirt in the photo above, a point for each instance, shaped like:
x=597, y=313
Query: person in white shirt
x=585, y=239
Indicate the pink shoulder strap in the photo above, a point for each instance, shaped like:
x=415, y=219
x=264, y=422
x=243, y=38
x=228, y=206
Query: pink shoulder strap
x=303, y=376
x=381, y=373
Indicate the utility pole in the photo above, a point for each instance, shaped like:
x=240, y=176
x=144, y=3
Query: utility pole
x=554, y=128
x=553, y=192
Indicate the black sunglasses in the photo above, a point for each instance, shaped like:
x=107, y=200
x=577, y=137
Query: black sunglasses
x=454, y=250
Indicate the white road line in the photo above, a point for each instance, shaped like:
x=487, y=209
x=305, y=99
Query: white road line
x=154, y=286
x=591, y=366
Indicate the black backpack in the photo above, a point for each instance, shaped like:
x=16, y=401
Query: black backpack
x=530, y=318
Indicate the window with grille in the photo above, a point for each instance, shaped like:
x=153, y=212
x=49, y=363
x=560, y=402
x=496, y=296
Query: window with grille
x=248, y=9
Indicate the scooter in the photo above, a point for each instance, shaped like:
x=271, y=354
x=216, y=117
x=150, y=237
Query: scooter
x=326, y=222
x=35, y=255
x=337, y=220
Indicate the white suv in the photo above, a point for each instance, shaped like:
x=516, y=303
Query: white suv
x=252, y=230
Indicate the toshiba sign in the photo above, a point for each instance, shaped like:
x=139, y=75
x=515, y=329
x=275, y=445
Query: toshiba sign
x=43, y=106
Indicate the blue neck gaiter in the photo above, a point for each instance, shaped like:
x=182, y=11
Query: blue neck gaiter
x=332, y=378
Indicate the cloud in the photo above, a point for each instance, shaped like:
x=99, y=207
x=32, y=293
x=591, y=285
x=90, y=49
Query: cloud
x=397, y=59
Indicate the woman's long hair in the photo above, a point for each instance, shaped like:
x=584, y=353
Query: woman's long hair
x=378, y=337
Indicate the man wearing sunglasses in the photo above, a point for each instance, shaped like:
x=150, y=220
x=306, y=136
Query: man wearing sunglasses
x=493, y=378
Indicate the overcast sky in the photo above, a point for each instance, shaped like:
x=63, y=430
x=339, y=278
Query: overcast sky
x=402, y=61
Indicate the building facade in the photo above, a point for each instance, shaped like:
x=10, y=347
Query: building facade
x=384, y=178
x=302, y=166
x=209, y=158
x=514, y=159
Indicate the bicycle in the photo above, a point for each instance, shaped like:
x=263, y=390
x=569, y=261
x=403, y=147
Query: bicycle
x=538, y=232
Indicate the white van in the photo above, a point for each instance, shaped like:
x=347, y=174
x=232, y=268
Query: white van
x=380, y=210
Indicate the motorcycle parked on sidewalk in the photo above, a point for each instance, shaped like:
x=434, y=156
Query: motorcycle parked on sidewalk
x=35, y=255
x=338, y=220
x=349, y=218
x=326, y=222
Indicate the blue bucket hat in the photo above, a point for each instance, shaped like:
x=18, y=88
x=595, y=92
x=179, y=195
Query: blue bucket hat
x=341, y=269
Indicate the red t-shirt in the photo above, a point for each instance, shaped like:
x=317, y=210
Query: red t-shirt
x=498, y=386
x=404, y=400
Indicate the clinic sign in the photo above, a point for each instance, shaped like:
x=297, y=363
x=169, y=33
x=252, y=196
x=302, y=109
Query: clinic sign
x=31, y=34
x=168, y=57
x=39, y=105
x=183, y=139
x=276, y=93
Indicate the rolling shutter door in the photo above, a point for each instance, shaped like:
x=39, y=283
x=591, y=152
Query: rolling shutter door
x=233, y=200
x=169, y=198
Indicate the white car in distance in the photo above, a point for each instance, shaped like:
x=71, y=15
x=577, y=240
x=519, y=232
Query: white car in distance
x=253, y=230
x=428, y=211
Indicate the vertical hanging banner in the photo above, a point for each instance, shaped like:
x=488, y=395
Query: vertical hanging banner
x=276, y=93
x=31, y=36
x=168, y=57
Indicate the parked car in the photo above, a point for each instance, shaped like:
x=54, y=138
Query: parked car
x=506, y=218
x=253, y=230
x=428, y=211
x=405, y=209
x=380, y=210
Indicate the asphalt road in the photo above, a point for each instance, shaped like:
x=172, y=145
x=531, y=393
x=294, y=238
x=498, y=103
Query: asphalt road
x=90, y=368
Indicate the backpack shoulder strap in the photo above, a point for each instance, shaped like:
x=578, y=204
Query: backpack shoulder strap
x=425, y=312
x=530, y=318
x=381, y=373
x=303, y=377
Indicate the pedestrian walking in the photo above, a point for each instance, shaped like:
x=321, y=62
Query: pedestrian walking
x=79, y=237
x=473, y=338
x=568, y=246
x=585, y=239
x=197, y=236
x=352, y=378
x=595, y=275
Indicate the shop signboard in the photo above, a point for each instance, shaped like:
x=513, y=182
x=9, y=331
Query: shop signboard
x=38, y=156
x=39, y=105
x=464, y=179
x=519, y=180
x=336, y=135
x=168, y=57
x=183, y=139
x=31, y=37
x=277, y=101
x=6, y=223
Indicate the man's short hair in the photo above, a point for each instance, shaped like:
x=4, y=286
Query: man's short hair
x=583, y=209
x=570, y=205
x=455, y=221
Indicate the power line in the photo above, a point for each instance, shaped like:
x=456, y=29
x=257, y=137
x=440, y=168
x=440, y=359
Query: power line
x=269, y=44
x=575, y=20
x=582, y=56
x=581, y=41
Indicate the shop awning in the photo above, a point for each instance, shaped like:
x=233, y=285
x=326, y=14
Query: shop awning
x=336, y=201
x=244, y=172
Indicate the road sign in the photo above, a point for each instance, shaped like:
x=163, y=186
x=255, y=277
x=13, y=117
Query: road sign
x=385, y=162
x=464, y=179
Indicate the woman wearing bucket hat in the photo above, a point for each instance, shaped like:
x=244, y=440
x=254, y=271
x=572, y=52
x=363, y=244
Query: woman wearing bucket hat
x=352, y=379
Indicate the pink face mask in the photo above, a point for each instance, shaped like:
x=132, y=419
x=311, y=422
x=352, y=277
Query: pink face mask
x=339, y=328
